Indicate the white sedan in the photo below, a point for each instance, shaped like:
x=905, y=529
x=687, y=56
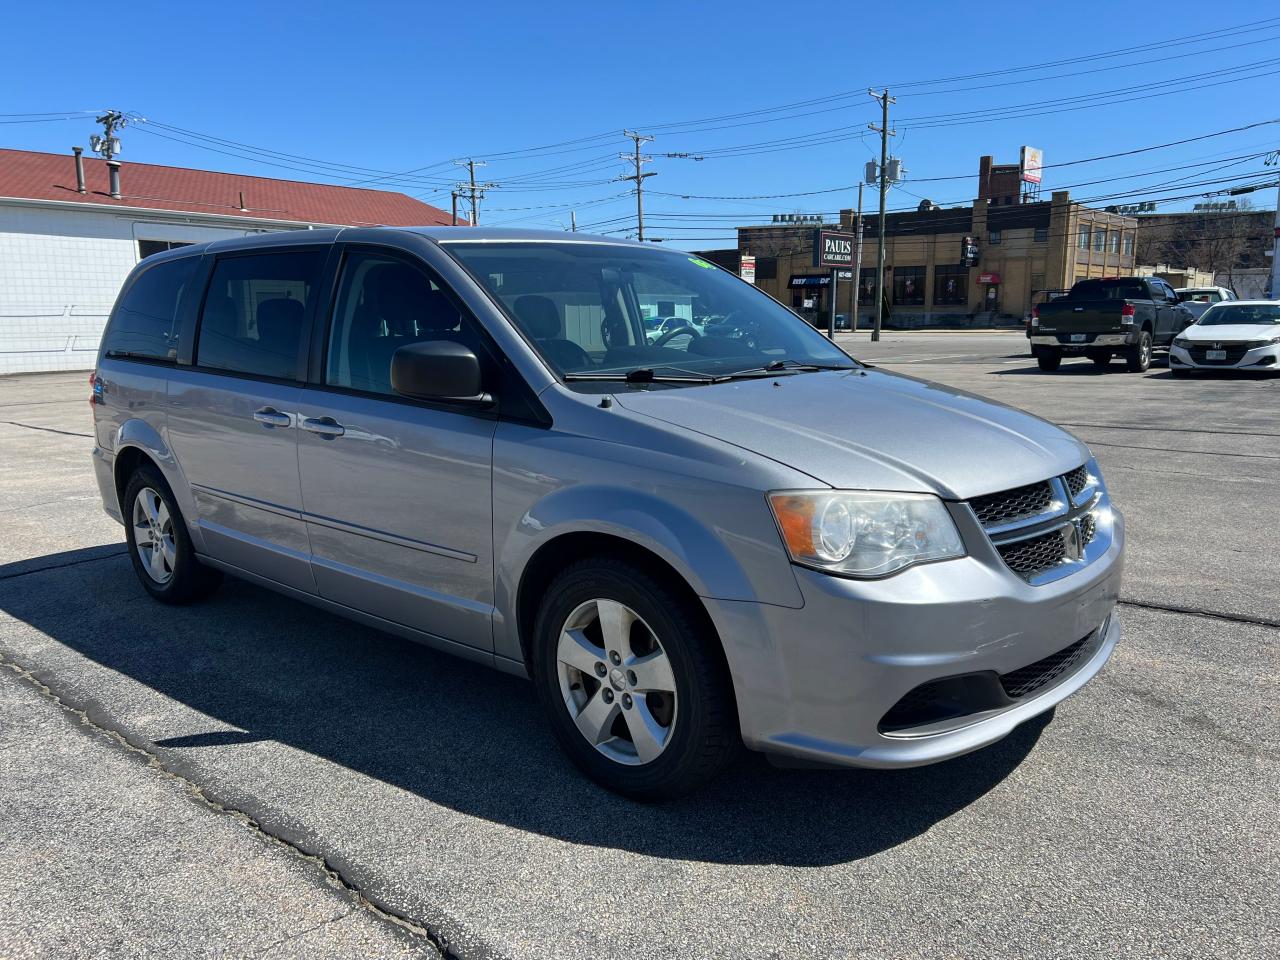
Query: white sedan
x=1236, y=334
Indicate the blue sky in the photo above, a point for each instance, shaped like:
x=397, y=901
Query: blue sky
x=366, y=90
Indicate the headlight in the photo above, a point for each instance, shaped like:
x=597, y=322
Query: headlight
x=1182, y=342
x=1264, y=343
x=860, y=534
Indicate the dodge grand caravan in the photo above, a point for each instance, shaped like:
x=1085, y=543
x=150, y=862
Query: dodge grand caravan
x=465, y=437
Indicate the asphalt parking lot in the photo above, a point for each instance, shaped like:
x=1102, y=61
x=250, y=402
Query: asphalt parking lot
x=253, y=777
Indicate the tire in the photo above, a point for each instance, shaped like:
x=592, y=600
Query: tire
x=685, y=736
x=170, y=573
x=1101, y=358
x=1049, y=360
x=1138, y=357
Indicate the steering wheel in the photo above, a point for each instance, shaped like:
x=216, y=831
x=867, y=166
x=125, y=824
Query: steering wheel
x=672, y=334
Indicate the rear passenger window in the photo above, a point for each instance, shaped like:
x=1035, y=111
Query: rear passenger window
x=385, y=304
x=255, y=313
x=142, y=326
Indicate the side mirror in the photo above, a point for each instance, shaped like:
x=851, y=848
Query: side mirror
x=437, y=370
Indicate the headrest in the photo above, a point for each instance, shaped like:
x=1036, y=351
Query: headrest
x=539, y=315
x=402, y=295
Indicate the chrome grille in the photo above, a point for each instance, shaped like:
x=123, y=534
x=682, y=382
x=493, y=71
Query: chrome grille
x=1046, y=530
x=1077, y=480
x=1028, y=557
x=1016, y=504
x=1088, y=528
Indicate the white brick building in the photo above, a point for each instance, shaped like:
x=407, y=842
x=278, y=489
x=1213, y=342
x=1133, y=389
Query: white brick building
x=64, y=253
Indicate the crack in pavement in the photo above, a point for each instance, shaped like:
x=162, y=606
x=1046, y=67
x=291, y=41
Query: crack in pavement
x=332, y=876
x=302, y=933
x=1198, y=453
x=1147, y=429
x=1272, y=622
x=106, y=555
x=30, y=426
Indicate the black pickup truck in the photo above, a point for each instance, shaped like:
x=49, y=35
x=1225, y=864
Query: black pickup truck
x=1124, y=316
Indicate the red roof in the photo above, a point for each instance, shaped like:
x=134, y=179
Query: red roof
x=51, y=176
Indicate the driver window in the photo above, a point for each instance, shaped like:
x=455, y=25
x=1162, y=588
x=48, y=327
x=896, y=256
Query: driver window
x=384, y=304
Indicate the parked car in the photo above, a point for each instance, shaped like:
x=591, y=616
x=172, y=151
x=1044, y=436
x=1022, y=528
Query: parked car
x=1233, y=334
x=464, y=438
x=1200, y=299
x=1128, y=316
x=666, y=329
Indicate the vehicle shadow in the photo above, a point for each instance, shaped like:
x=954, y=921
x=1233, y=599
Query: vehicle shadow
x=452, y=732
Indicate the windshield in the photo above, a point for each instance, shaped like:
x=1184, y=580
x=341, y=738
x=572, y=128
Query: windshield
x=1199, y=296
x=596, y=310
x=1107, y=290
x=1225, y=314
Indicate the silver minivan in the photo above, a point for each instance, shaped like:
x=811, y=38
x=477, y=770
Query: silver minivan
x=731, y=533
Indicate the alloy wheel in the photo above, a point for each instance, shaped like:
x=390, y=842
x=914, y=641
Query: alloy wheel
x=617, y=681
x=153, y=535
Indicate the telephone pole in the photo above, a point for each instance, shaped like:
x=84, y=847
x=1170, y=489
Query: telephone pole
x=108, y=145
x=471, y=189
x=885, y=134
x=857, y=265
x=1274, y=160
x=637, y=178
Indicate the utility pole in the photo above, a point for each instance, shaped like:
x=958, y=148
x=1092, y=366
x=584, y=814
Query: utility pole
x=108, y=145
x=885, y=134
x=1274, y=160
x=453, y=194
x=573, y=221
x=857, y=265
x=475, y=191
x=637, y=178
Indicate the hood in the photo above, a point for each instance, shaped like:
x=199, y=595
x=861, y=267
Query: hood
x=872, y=430
x=1232, y=332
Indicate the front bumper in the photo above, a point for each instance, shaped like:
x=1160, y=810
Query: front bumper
x=1262, y=358
x=816, y=683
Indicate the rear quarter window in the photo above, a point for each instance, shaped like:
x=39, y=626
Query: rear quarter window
x=143, y=324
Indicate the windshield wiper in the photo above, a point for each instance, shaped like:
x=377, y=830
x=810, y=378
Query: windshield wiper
x=646, y=375
x=781, y=366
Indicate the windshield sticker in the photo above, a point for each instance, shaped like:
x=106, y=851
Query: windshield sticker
x=702, y=263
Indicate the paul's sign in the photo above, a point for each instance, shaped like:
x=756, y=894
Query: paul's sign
x=832, y=249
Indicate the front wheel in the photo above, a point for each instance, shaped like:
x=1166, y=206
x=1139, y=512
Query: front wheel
x=634, y=681
x=1138, y=357
x=159, y=545
x=1048, y=359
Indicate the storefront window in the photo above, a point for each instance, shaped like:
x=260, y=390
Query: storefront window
x=867, y=286
x=908, y=285
x=950, y=285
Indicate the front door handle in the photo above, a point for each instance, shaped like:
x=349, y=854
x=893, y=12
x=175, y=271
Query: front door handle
x=271, y=417
x=325, y=426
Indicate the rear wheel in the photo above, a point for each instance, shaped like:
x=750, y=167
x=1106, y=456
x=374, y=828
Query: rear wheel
x=632, y=677
x=1100, y=358
x=1048, y=358
x=1138, y=357
x=159, y=545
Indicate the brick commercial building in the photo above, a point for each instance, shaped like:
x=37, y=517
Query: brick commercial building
x=1231, y=243
x=66, y=246
x=1020, y=249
